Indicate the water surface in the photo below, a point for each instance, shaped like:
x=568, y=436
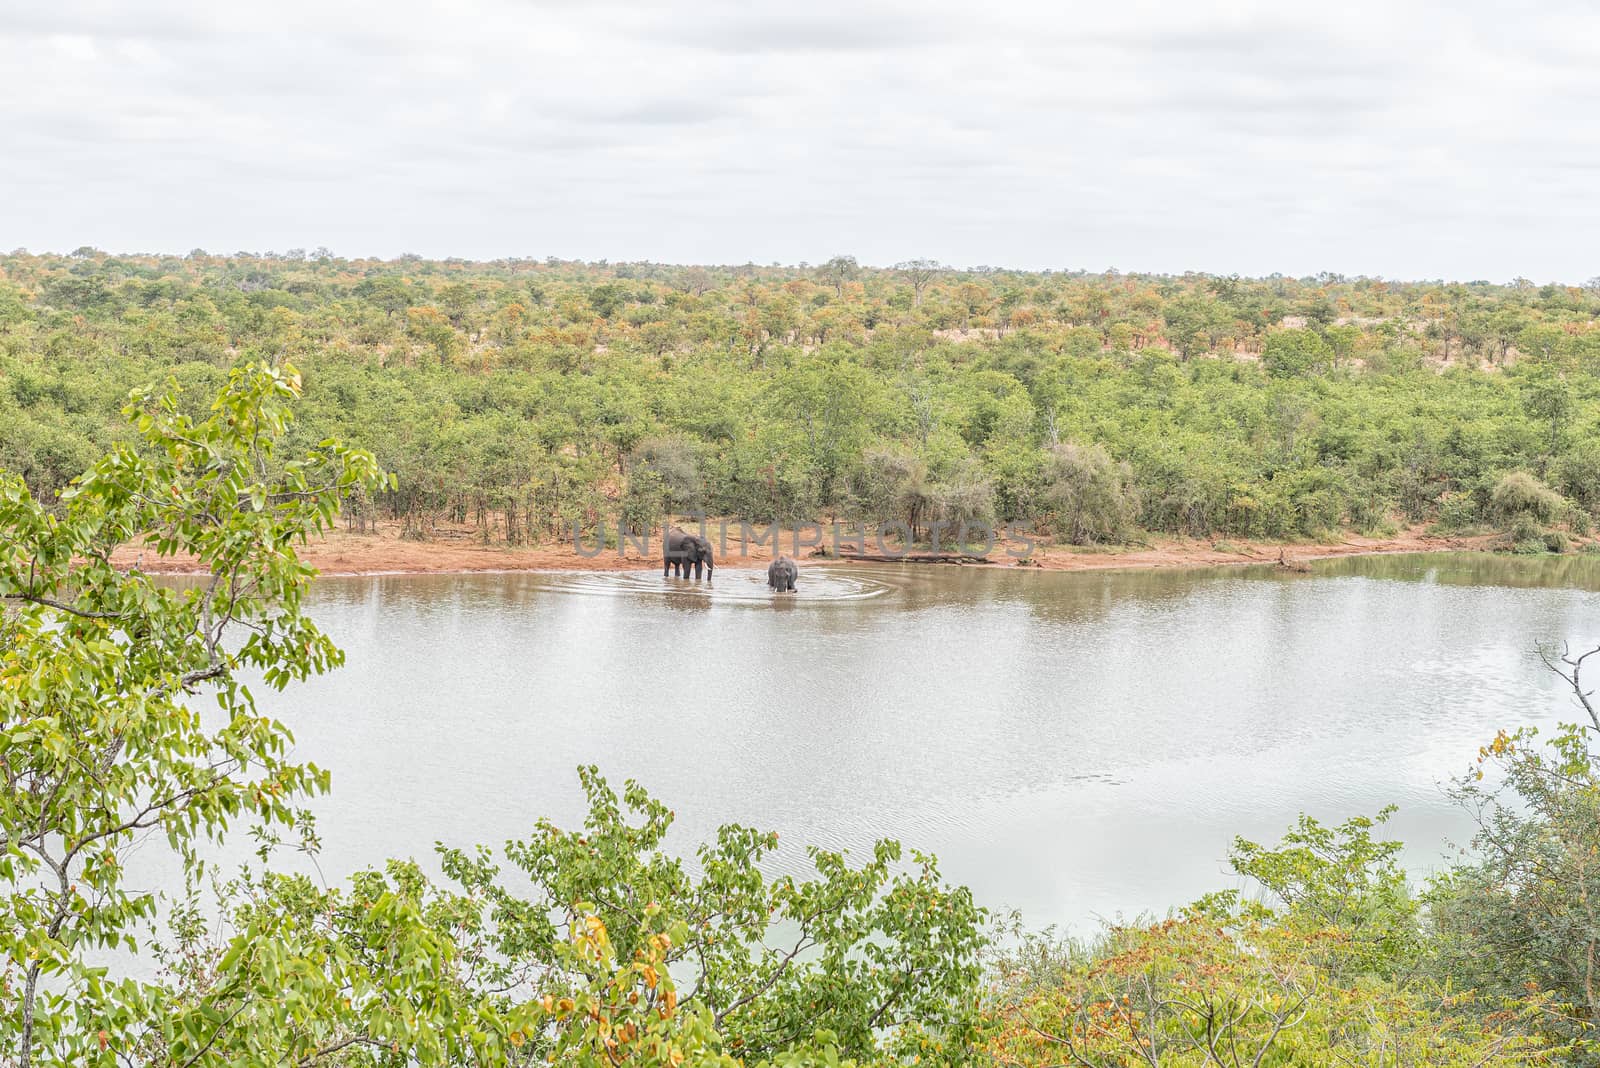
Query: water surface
x=1076, y=745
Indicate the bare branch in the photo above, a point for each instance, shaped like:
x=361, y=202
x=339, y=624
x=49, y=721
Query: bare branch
x=1570, y=668
x=59, y=606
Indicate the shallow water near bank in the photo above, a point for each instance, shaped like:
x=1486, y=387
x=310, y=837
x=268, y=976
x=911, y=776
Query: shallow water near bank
x=1076, y=745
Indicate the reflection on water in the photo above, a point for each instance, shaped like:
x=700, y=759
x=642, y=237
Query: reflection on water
x=1071, y=744
x=1474, y=569
x=730, y=586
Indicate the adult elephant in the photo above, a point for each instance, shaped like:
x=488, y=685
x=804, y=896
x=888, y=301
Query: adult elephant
x=781, y=574
x=683, y=551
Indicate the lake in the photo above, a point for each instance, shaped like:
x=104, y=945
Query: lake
x=1076, y=745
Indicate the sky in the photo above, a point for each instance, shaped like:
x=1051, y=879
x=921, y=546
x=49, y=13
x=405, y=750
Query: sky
x=1402, y=140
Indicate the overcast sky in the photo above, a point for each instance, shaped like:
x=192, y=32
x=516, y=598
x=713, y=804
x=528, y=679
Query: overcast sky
x=1456, y=141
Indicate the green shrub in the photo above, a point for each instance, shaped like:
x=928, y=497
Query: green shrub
x=1526, y=535
x=1577, y=474
x=1090, y=493
x=1519, y=495
x=1458, y=512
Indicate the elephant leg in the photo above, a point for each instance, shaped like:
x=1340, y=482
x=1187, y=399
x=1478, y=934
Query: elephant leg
x=698, y=566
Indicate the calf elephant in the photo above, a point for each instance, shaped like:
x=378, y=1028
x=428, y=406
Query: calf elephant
x=682, y=551
x=781, y=574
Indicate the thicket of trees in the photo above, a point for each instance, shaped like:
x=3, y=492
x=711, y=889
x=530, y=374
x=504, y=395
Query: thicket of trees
x=528, y=395
x=124, y=725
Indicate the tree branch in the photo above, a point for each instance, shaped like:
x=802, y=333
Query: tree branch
x=59, y=606
x=1573, y=674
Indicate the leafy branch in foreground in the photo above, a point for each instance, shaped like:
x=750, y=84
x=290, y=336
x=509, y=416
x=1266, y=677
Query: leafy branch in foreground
x=99, y=745
x=598, y=949
x=1523, y=919
x=1327, y=969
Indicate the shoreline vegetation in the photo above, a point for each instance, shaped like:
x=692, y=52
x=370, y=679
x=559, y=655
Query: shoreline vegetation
x=459, y=550
x=519, y=398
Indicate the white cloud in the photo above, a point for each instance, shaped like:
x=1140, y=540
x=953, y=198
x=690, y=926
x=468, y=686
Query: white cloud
x=1417, y=140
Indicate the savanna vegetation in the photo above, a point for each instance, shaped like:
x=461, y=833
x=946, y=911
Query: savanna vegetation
x=527, y=396
x=126, y=724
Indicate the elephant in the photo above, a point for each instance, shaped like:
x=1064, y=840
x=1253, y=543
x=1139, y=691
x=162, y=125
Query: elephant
x=781, y=575
x=682, y=550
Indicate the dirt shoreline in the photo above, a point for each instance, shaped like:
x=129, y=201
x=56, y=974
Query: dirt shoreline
x=460, y=551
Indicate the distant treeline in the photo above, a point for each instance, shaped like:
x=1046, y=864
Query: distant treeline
x=525, y=395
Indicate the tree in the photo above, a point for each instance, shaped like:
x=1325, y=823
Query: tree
x=830, y=403
x=919, y=273
x=431, y=326
x=839, y=270
x=1521, y=917
x=1188, y=322
x=387, y=292
x=897, y=484
x=608, y=299
x=1293, y=353
x=1089, y=493
x=1547, y=396
x=98, y=740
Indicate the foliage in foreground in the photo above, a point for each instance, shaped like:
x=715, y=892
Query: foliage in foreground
x=1229, y=990
x=100, y=742
x=617, y=954
x=1334, y=971
x=1340, y=962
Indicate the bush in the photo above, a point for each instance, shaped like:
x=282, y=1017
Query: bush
x=966, y=495
x=1520, y=495
x=1527, y=536
x=1458, y=512
x=642, y=502
x=895, y=485
x=1260, y=511
x=1289, y=353
x=1517, y=919
x=676, y=463
x=1090, y=493
x=1577, y=474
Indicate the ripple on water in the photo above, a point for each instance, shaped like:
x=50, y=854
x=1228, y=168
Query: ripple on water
x=733, y=586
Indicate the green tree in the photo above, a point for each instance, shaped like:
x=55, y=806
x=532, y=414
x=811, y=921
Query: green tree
x=1547, y=397
x=1521, y=916
x=1293, y=353
x=838, y=271
x=98, y=740
x=1089, y=493
x=919, y=273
